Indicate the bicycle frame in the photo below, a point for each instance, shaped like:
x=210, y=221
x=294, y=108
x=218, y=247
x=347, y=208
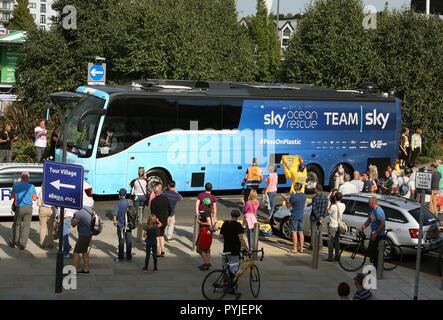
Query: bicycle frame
x=244, y=265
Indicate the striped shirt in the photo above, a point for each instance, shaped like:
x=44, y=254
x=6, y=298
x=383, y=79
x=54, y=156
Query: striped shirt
x=362, y=294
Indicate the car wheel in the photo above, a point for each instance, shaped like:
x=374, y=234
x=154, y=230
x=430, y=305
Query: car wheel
x=286, y=229
x=314, y=177
x=156, y=176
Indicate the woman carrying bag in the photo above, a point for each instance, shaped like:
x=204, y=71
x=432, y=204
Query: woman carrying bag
x=335, y=213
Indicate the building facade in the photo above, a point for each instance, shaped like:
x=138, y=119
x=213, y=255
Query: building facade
x=286, y=29
x=41, y=11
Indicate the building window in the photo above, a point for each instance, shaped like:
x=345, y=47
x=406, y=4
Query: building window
x=32, y=5
x=43, y=8
x=6, y=5
x=287, y=32
x=6, y=16
x=43, y=27
x=42, y=19
x=285, y=42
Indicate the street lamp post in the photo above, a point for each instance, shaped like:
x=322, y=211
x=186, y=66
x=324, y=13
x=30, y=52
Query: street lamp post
x=428, y=7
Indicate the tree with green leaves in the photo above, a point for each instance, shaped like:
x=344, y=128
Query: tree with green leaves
x=331, y=48
x=410, y=47
x=21, y=17
x=169, y=39
x=403, y=54
x=263, y=35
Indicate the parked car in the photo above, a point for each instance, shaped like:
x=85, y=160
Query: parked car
x=402, y=218
x=10, y=174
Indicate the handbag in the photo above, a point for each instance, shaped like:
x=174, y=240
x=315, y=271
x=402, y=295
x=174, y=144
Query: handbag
x=342, y=226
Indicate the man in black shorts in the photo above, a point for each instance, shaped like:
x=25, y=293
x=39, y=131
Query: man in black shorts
x=82, y=220
x=232, y=234
x=161, y=207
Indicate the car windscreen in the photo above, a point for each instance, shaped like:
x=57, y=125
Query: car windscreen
x=429, y=218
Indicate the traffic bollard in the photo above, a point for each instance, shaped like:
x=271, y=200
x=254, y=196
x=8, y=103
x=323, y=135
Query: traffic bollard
x=315, y=248
x=139, y=237
x=255, y=235
x=381, y=259
x=195, y=233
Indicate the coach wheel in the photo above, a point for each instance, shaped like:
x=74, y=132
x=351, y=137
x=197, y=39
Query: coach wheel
x=155, y=176
x=314, y=177
x=348, y=170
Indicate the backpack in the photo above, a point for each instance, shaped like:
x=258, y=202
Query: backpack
x=96, y=223
x=404, y=188
x=131, y=216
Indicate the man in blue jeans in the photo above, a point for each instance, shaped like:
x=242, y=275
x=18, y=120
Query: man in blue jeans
x=297, y=203
x=123, y=232
x=377, y=221
x=23, y=194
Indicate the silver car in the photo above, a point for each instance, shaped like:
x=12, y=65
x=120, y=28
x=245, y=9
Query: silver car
x=402, y=219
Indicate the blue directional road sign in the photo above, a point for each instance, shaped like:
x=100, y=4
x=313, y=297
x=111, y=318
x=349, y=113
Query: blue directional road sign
x=63, y=185
x=96, y=72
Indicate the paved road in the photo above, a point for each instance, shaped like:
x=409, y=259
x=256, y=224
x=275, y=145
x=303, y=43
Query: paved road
x=226, y=203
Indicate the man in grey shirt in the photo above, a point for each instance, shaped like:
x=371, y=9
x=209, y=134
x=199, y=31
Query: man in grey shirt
x=82, y=220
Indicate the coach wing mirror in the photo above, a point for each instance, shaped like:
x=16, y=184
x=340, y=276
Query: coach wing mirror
x=65, y=101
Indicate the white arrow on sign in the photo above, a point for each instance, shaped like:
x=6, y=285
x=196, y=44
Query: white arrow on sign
x=56, y=184
x=95, y=72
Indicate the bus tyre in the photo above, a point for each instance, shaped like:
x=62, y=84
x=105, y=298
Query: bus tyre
x=156, y=176
x=314, y=177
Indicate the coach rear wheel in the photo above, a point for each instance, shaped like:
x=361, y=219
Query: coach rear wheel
x=314, y=177
x=155, y=176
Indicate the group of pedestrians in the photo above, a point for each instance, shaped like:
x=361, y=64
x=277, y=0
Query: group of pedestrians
x=410, y=147
x=162, y=204
x=8, y=137
x=24, y=194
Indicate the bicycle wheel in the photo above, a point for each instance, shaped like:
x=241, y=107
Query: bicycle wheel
x=254, y=280
x=393, y=255
x=215, y=284
x=349, y=258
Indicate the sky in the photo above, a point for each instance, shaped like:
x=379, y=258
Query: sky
x=247, y=7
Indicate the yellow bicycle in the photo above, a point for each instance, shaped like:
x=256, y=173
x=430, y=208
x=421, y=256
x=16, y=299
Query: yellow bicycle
x=218, y=283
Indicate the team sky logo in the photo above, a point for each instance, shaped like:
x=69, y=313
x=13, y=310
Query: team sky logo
x=311, y=120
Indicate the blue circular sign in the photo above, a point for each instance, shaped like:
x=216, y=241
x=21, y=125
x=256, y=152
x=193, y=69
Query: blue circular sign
x=96, y=72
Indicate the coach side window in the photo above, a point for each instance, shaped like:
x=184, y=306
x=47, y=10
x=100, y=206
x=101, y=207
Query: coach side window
x=129, y=120
x=206, y=112
x=232, y=110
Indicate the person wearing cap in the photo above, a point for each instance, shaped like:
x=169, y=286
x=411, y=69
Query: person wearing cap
x=23, y=194
x=232, y=235
x=361, y=293
x=204, y=240
x=123, y=233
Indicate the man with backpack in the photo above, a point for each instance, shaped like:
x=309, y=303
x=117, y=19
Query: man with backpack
x=83, y=220
x=124, y=212
x=406, y=184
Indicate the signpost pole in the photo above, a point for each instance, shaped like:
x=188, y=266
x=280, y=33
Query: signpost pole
x=420, y=235
x=59, y=266
x=423, y=181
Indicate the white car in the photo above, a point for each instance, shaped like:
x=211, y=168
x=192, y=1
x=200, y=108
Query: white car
x=10, y=174
x=402, y=219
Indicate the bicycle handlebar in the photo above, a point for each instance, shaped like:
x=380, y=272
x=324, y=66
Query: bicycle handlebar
x=255, y=251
